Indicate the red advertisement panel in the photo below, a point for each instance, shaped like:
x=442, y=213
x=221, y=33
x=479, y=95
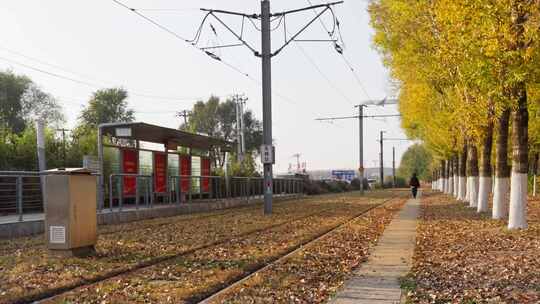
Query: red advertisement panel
x=205, y=171
x=130, y=166
x=160, y=172
x=185, y=169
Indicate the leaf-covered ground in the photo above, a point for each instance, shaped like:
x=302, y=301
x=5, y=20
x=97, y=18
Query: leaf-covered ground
x=318, y=270
x=26, y=269
x=465, y=257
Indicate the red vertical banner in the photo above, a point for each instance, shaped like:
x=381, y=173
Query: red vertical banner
x=160, y=172
x=205, y=171
x=129, y=166
x=185, y=169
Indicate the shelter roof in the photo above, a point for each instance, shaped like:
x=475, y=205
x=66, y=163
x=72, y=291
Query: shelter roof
x=167, y=136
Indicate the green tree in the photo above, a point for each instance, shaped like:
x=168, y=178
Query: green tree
x=108, y=105
x=22, y=101
x=218, y=119
x=417, y=159
x=19, y=151
x=12, y=88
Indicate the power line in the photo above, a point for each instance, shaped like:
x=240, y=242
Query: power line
x=168, y=9
x=356, y=116
x=353, y=71
x=100, y=85
x=51, y=73
x=347, y=62
x=189, y=42
x=177, y=36
x=322, y=74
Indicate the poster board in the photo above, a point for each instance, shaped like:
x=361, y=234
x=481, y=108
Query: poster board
x=160, y=172
x=185, y=170
x=205, y=171
x=130, y=165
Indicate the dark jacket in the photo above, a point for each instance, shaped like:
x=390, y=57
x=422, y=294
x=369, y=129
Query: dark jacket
x=414, y=182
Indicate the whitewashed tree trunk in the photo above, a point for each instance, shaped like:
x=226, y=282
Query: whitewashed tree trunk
x=473, y=199
x=484, y=192
x=535, y=174
x=467, y=198
x=500, y=198
x=456, y=184
x=485, y=166
x=462, y=188
x=450, y=176
x=501, y=191
x=473, y=176
x=517, y=217
x=462, y=172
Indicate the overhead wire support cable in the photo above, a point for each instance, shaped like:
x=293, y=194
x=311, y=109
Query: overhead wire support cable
x=253, y=16
x=176, y=35
x=346, y=61
x=287, y=42
x=266, y=55
x=356, y=116
x=326, y=5
x=83, y=82
x=151, y=21
x=255, y=52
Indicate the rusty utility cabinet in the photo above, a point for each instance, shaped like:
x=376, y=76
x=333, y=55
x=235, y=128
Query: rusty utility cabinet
x=70, y=211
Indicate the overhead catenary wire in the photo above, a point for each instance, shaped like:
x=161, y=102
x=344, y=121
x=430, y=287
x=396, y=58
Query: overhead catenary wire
x=101, y=84
x=177, y=36
x=190, y=42
x=92, y=84
x=332, y=85
x=346, y=61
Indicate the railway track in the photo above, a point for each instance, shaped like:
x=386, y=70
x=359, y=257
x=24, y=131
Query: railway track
x=156, y=225
x=54, y=293
x=294, y=250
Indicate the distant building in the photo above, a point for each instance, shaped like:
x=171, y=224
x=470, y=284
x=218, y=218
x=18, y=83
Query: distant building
x=371, y=174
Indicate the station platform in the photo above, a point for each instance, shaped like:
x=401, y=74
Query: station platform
x=32, y=224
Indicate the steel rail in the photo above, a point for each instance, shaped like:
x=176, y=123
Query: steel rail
x=54, y=293
x=289, y=253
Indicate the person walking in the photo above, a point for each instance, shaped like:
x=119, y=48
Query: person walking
x=414, y=183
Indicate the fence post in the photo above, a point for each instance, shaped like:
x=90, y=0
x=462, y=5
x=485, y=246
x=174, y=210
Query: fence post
x=137, y=192
x=120, y=194
x=146, y=193
x=111, y=177
x=151, y=187
x=19, y=185
x=190, y=190
x=248, y=190
x=177, y=187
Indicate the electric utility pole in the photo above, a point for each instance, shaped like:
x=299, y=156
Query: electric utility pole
x=297, y=156
x=63, y=144
x=393, y=167
x=394, y=181
x=266, y=54
x=361, y=146
x=360, y=117
x=382, y=160
x=239, y=102
x=266, y=60
x=184, y=114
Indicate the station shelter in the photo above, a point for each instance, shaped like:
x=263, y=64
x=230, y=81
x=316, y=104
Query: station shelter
x=158, y=164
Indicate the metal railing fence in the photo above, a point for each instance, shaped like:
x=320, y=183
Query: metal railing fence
x=21, y=193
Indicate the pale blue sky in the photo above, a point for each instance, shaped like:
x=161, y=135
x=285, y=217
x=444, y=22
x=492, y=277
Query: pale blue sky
x=107, y=45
